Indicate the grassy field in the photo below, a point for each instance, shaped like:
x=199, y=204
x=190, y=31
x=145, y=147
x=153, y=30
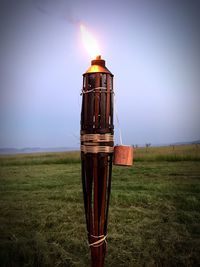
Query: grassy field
x=154, y=217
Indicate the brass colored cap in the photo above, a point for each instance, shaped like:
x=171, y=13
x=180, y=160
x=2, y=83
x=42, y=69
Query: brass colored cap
x=98, y=61
x=98, y=65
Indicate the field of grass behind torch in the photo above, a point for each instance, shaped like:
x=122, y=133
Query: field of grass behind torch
x=154, y=211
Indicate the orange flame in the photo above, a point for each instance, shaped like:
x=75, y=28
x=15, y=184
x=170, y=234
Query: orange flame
x=89, y=42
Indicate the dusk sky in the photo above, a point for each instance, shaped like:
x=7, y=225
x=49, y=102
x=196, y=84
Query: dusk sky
x=151, y=47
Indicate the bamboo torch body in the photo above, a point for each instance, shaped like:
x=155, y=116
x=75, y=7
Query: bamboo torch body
x=96, y=154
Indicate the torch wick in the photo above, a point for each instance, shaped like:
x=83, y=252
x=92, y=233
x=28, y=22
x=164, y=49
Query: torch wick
x=98, y=57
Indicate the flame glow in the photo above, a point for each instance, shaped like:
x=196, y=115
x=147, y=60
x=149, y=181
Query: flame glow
x=89, y=42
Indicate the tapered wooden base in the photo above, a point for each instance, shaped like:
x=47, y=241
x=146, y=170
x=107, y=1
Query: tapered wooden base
x=98, y=256
x=96, y=179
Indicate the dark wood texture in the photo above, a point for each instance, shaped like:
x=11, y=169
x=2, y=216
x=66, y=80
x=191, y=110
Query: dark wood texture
x=97, y=118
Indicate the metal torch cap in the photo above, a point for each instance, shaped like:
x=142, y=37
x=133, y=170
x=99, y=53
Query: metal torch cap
x=98, y=65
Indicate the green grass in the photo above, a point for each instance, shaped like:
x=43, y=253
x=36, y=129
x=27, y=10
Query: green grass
x=153, y=219
x=40, y=158
x=167, y=153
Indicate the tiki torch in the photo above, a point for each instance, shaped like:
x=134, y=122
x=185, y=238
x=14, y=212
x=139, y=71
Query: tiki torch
x=96, y=154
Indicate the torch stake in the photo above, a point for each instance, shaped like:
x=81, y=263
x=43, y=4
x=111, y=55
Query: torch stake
x=96, y=154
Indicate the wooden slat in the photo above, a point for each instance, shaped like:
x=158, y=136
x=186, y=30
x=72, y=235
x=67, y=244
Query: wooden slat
x=103, y=197
x=111, y=105
x=85, y=103
x=108, y=191
x=90, y=110
x=103, y=96
x=97, y=102
x=108, y=101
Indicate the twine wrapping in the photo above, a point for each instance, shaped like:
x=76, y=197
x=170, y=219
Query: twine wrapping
x=99, y=242
x=97, y=90
x=97, y=149
x=97, y=137
x=91, y=143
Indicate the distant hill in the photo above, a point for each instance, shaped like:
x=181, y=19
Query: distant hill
x=186, y=143
x=196, y=142
x=171, y=144
x=8, y=151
